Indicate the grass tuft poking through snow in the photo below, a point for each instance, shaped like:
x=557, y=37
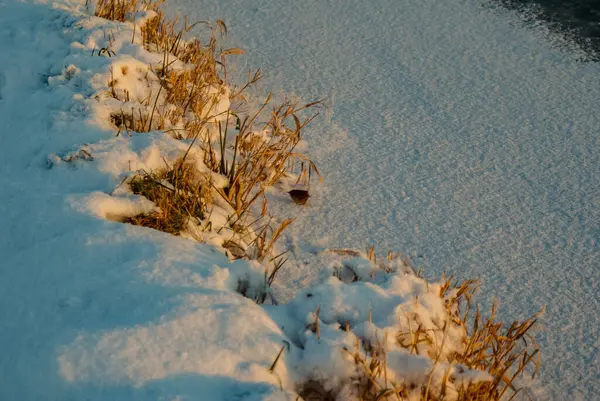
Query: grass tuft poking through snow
x=178, y=198
x=404, y=338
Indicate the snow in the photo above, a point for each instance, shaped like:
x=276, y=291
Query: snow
x=115, y=208
x=91, y=308
x=457, y=136
x=206, y=337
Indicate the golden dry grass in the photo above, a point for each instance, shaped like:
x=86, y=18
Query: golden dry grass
x=177, y=193
x=122, y=10
x=507, y=353
x=191, y=93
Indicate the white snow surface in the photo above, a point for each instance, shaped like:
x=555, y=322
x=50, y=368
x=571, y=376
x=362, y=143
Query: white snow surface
x=455, y=135
x=91, y=308
x=94, y=309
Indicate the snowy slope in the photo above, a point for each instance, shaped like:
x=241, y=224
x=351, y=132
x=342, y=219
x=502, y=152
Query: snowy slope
x=456, y=136
x=92, y=309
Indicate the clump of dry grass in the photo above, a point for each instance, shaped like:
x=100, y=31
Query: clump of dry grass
x=393, y=262
x=257, y=161
x=177, y=192
x=123, y=10
x=506, y=352
x=196, y=89
x=191, y=90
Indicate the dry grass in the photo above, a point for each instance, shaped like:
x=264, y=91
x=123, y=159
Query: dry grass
x=252, y=151
x=178, y=193
x=123, y=10
x=192, y=91
x=507, y=353
x=391, y=263
x=256, y=161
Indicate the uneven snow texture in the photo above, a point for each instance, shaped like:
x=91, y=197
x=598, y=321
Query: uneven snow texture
x=94, y=309
x=91, y=308
x=455, y=135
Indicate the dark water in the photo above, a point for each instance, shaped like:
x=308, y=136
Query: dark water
x=579, y=19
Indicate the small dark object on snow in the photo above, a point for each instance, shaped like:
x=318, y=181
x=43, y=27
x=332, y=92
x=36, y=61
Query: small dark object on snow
x=299, y=196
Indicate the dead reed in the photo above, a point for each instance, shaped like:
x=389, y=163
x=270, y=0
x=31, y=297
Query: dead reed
x=124, y=10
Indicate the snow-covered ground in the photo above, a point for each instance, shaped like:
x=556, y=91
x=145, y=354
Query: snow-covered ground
x=456, y=136
x=94, y=309
x=89, y=308
x=453, y=136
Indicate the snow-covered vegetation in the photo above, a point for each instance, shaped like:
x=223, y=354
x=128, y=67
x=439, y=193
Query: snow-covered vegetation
x=188, y=157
